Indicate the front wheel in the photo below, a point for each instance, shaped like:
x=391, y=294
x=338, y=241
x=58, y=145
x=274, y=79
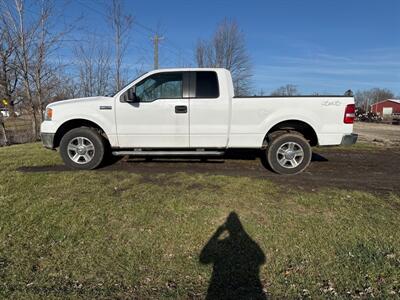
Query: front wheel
x=289, y=154
x=82, y=148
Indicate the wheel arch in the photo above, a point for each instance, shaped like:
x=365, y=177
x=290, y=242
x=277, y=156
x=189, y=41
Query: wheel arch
x=76, y=123
x=300, y=126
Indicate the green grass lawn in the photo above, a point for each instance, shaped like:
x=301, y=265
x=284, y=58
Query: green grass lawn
x=114, y=234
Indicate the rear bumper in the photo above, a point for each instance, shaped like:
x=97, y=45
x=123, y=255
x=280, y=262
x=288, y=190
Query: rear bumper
x=48, y=140
x=349, y=139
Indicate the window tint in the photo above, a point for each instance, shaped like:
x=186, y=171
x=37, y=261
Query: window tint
x=160, y=86
x=207, y=85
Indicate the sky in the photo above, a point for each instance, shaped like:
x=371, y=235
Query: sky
x=321, y=46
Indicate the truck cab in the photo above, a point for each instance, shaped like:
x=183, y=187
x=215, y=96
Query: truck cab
x=175, y=109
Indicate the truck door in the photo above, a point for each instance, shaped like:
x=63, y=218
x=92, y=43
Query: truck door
x=209, y=111
x=159, y=118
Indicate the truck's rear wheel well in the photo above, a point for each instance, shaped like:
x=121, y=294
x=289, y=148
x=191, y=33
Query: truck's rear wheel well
x=293, y=126
x=71, y=124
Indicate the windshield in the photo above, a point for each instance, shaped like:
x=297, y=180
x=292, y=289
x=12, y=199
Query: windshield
x=130, y=83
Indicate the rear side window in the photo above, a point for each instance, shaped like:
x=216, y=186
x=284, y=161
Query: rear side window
x=207, y=85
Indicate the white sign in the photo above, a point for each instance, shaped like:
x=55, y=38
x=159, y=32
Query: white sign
x=387, y=110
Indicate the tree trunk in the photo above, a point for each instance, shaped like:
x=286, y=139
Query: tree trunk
x=30, y=99
x=34, y=124
x=11, y=110
x=3, y=130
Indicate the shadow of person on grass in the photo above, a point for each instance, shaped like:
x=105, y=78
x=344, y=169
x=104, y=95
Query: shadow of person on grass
x=236, y=260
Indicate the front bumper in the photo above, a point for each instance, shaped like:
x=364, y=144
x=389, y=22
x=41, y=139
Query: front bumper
x=48, y=140
x=349, y=139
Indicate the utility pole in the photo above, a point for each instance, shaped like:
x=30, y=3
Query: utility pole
x=156, y=40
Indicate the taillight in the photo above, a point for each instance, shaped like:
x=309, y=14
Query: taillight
x=349, y=114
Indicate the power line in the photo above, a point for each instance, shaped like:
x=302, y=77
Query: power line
x=180, y=53
x=148, y=29
x=176, y=46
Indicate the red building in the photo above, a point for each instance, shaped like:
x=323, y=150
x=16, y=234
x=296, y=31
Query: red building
x=386, y=107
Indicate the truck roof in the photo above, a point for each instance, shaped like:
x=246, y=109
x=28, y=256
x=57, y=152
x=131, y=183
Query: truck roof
x=185, y=69
x=171, y=70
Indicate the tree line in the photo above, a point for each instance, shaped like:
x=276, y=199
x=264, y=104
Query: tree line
x=32, y=75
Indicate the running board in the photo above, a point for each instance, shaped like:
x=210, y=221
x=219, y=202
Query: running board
x=169, y=153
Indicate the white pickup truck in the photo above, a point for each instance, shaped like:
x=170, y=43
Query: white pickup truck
x=194, y=112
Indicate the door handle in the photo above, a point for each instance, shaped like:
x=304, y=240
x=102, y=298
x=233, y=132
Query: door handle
x=181, y=109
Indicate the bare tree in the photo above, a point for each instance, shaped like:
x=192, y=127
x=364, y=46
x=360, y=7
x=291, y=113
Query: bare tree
x=261, y=92
x=35, y=42
x=8, y=72
x=286, y=90
x=121, y=24
x=43, y=73
x=94, y=65
x=68, y=88
x=227, y=49
x=8, y=78
x=366, y=98
x=24, y=37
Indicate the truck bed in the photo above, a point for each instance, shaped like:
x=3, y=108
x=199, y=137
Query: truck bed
x=252, y=117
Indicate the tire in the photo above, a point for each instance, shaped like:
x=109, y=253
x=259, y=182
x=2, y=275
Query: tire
x=82, y=148
x=289, y=153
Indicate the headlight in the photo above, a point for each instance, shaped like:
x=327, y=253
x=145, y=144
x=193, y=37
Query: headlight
x=48, y=115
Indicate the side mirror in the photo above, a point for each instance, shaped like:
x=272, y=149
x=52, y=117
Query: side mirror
x=130, y=96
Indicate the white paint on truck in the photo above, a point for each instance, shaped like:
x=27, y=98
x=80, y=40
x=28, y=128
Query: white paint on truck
x=187, y=116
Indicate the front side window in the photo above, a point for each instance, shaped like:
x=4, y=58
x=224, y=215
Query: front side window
x=160, y=86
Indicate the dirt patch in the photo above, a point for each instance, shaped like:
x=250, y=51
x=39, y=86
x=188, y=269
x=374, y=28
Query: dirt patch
x=385, y=134
x=362, y=170
x=373, y=171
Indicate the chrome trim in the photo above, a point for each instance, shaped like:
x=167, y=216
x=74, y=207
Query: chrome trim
x=168, y=153
x=290, y=155
x=81, y=150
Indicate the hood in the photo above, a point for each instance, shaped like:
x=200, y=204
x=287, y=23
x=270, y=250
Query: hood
x=77, y=101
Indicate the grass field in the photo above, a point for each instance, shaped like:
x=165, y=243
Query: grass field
x=114, y=234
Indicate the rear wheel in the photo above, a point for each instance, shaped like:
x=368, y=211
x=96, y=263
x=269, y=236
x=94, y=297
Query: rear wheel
x=82, y=148
x=289, y=153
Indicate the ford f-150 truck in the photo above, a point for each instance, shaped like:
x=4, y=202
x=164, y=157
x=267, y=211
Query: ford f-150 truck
x=193, y=111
